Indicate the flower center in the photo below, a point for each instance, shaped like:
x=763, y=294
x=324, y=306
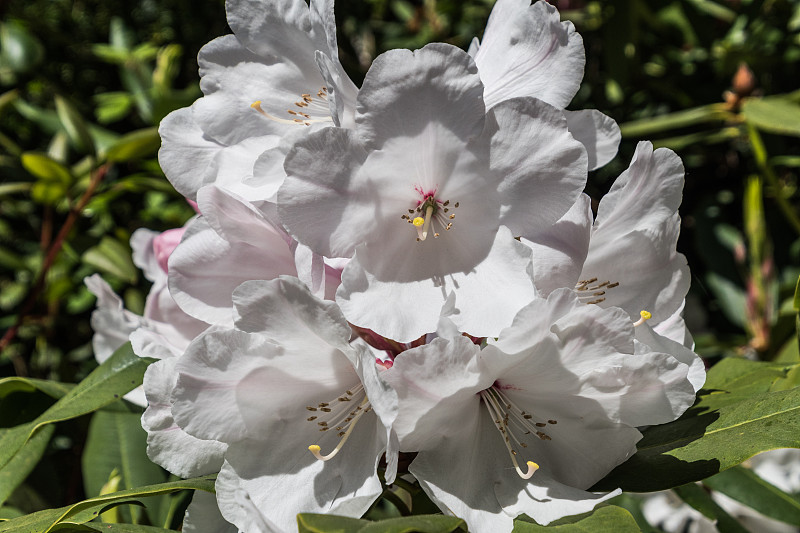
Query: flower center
x=310, y=109
x=512, y=421
x=430, y=215
x=337, y=415
x=591, y=290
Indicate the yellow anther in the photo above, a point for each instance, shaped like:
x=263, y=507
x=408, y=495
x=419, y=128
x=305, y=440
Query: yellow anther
x=314, y=449
x=418, y=222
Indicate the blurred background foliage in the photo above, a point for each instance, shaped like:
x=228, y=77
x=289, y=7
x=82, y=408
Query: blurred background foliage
x=84, y=83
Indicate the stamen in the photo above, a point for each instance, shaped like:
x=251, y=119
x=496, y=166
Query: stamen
x=644, y=317
x=341, y=419
x=318, y=110
x=351, y=423
x=506, y=416
x=591, y=292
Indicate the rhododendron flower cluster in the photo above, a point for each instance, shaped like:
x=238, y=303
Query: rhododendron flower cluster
x=408, y=269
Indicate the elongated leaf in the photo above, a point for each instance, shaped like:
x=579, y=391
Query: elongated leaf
x=84, y=511
x=414, y=524
x=53, y=389
x=680, y=119
x=119, y=374
x=135, y=145
x=74, y=125
x=775, y=115
x=740, y=412
x=608, y=519
x=695, y=496
x=116, y=441
x=109, y=528
x=16, y=470
x=46, y=168
x=112, y=257
x=320, y=523
x=745, y=486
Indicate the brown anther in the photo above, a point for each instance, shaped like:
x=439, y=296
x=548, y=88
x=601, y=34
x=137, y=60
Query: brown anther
x=452, y=216
x=597, y=301
x=552, y=421
x=456, y=204
x=311, y=418
x=540, y=424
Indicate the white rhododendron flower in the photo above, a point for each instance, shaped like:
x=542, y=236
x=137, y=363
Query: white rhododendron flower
x=285, y=381
x=527, y=51
x=530, y=421
x=418, y=194
x=278, y=72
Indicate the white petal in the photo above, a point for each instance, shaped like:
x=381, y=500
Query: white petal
x=527, y=51
x=144, y=255
x=560, y=250
x=261, y=306
x=233, y=242
x=659, y=343
x=480, y=486
x=345, y=485
x=111, y=322
x=203, y=516
x=542, y=167
x=206, y=401
x=634, y=237
x=232, y=169
x=598, y=133
x=186, y=151
x=233, y=78
x=404, y=91
x=167, y=444
x=237, y=506
x=488, y=294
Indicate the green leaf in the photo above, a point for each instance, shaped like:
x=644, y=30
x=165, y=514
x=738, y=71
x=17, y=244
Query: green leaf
x=607, y=519
x=698, y=498
x=136, y=145
x=745, y=486
x=46, y=168
x=54, y=389
x=20, y=50
x=320, y=523
x=87, y=510
x=116, y=441
x=16, y=470
x=74, y=125
x=109, y=528
x=112, y=257
x=680, y=119
x=119, y=374
x=633, y=504
x=774, y=115
x=415, y=524
x=740, y=412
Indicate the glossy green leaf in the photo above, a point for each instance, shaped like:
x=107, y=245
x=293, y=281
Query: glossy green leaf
x=319, y=523
x=607, y=519
x=740, y=412
x=745, y=486
x=116, y=441
x=701, y=500
x=774, y=115
x=633, y=504
x=112, y=257
x=87, y=510
x=74, y=125
x=18, y=468
x=109, y=528
x=136, y=145
x=119, y=374
x=54, y=389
